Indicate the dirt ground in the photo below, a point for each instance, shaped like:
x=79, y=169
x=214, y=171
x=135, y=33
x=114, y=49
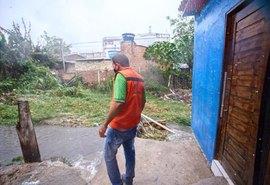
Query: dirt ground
x=179, y=162
x=166, y=163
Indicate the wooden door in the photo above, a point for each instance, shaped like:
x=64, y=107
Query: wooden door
x=246, y=56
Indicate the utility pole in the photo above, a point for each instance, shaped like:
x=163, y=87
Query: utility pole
x=62, y=55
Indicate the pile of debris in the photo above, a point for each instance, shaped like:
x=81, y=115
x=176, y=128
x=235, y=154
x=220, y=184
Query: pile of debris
x=8, y=98
x=151, y=129
x=181, y=95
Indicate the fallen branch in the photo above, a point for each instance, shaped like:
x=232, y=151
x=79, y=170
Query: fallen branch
x=159, y=124
x=149, y=125
x=172, y=91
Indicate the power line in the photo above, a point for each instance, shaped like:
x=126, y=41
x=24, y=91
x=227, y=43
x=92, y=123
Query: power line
x=162, y=36
x=90, y=42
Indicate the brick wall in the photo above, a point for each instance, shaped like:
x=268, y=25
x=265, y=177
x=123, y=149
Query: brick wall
x=135, y=55
x=94, y=71
x=67, y=76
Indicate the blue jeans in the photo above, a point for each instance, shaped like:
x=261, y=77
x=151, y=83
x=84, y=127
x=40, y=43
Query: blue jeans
x=114, y=140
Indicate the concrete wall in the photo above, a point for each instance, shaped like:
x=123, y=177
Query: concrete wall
x=70, y=67
x=94, y=77
x=94, y=71
x=88, y=65
x=208, y=58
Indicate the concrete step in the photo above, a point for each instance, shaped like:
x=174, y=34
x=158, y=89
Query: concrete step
x=212, y=181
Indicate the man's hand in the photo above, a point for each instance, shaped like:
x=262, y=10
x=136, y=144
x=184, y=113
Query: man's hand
x=102, y=130
x=114, y=109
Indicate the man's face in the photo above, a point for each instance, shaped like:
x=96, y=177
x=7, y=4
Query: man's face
x=115, y=67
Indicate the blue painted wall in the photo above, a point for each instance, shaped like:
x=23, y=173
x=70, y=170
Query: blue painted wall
x=208, y=59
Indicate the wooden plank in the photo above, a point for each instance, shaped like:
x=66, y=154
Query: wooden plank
x=246, y=54
x=254, y=17
x=249, y=44
x=250, y=56
x=239, y=160
x=242, y=103
x=245, y=65
x=245, y=116
x=245, y=140
x=248, y=10
x=233, y=174
x=245, y=81
x=251, y=30
x=243, y=92
x=245, y=69
x=240, y=149
x=234, y=164
x=247, y=129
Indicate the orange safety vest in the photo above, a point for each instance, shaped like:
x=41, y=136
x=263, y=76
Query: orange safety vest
x=130, y=115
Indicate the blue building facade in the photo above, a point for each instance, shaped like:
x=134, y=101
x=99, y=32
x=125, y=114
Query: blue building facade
x=209, y=41
x=231, y=86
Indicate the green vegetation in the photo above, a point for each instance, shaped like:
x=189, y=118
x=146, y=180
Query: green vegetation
x=170, y=56
x=49, y=98
x=153, y=86
x=25, y=72
x=169, y=110
x=18, y=49
x=90, y=104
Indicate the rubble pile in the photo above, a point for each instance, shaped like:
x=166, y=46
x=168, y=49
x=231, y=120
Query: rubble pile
x=179, y=95
x=8, y=98
x=150, y=130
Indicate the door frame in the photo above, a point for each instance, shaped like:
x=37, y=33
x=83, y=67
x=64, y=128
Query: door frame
x=264, y=126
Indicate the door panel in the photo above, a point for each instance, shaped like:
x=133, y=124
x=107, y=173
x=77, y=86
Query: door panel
x=245, y=62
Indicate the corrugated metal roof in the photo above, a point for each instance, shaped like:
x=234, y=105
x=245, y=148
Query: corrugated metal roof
x=190, y=7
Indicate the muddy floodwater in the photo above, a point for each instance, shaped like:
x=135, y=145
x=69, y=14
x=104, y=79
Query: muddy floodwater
x=74, y=145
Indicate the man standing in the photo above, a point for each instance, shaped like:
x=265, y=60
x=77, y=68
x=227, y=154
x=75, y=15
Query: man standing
x=127, y=103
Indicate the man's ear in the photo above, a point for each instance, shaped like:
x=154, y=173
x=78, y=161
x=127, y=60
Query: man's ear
x=117, y=66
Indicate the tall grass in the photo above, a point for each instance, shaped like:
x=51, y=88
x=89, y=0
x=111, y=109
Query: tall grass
x=92, y=105
x=79, y=101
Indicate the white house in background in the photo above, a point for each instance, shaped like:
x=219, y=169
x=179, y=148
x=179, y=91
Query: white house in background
x=112, y=44
x=147, y=39
x=93, y=55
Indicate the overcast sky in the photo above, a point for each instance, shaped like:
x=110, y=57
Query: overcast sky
x=79, y=21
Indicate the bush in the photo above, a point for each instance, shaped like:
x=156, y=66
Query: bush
x=69, y=91
x=37, y=77
x=7, y=85
x=75, y=81
x=153, y=86
x=105, y=86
